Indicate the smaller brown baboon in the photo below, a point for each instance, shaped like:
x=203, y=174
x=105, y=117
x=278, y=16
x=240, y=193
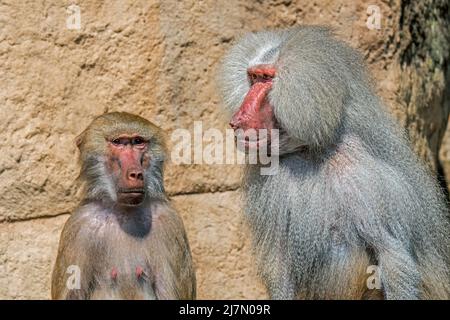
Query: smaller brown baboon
x=124, y=241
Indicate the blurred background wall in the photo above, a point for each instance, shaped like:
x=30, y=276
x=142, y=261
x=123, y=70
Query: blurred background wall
x=158, y=59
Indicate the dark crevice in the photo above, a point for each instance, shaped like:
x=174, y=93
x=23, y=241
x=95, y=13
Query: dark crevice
x=442, y=181
x=425, y=48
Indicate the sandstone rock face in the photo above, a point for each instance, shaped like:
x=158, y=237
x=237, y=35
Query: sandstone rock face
x=159, y=59
x=27, y=253
x=220, y=245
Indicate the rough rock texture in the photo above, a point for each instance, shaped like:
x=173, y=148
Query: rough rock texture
x=27, y=253
x=158, y=59
x=221, y=246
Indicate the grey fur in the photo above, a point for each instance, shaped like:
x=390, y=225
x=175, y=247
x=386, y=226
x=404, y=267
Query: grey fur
x=357, y=195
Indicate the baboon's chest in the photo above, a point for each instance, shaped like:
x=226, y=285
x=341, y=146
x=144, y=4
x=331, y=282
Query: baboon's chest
x=124, y=267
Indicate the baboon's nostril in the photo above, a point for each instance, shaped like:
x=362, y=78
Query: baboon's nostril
x=135, y=175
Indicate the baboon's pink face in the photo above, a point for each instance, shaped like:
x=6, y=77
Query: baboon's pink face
x=256, y=112
x=127, y=162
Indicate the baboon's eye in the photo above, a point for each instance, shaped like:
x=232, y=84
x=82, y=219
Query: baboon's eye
x=116, y=141
x=137, y=141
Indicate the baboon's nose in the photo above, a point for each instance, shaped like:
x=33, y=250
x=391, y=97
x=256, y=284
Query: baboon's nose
x=135, y=175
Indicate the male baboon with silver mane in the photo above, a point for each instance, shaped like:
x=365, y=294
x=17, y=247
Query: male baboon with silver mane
x=349, y=192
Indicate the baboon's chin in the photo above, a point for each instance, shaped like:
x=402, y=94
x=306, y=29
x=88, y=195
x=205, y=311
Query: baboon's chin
x=131, y=199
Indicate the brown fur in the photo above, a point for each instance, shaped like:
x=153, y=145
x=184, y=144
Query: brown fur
x=102, y=236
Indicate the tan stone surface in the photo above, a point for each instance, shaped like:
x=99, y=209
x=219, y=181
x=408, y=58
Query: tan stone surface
x=159, y=59
x=220, y=246
x=27, y=253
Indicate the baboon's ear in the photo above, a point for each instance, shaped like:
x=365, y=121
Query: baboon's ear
x=79, y=139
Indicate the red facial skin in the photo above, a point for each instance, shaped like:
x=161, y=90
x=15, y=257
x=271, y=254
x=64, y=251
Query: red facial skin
x=128, y=159
x=256, y=112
